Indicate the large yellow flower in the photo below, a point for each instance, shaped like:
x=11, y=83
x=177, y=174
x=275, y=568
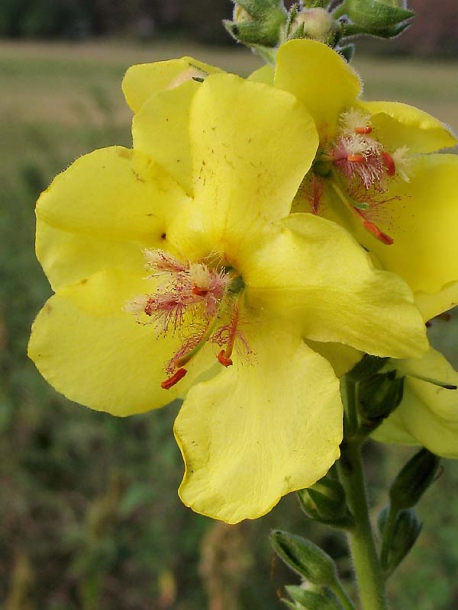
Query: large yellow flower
x=197, y=282
x=373, y=172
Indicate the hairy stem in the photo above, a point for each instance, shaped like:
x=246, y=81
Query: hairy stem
x=367, y=567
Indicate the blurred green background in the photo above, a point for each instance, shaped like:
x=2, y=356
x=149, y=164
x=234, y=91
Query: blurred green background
x=89, y=514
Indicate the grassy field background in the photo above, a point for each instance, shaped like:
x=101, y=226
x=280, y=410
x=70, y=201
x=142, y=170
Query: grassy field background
x=89, y=516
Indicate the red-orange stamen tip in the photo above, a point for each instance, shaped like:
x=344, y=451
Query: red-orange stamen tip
x=380, y=235
x=224, y=359
x=200, y=292
x=389, y=164
x=356, y=159
x=363, y=130
x=174, y=379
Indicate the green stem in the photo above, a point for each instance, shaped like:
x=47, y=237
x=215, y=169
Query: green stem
x=361, y=540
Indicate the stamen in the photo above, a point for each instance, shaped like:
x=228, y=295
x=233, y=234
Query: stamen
x=358, y=209
x=363, y=130
x=356, y=159
x=376, y=232
x=196, y=301
x=380, y=235
x=200, y=292
x=224, y=359
x=173, y=379
x=389, y=163
x=436, y=382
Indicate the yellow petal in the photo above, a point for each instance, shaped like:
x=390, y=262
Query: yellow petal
x=69, y=257
x=320, y=78
x=143, y=80
x=400, y=125
x=393, y=431
x=251, y=146
x=161, y=129
x=93, y=352
x=315, y=273
x=341, y=357
x=265, y=74
x=421, y=216
x=108, y=197
x=427, y=413
x=243, y=447
x=432, y=305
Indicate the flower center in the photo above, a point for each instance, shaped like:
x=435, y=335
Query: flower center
x=199, y=301
x=358, y=169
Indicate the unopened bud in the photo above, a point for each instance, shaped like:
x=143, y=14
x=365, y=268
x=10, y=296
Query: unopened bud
x=367, y=367
x=305, y=558
x=315, y=23
x=403, y=536
x=379, y=396
x=326, y=502
x=414, y=479
x=384, y=18
x=257, y=22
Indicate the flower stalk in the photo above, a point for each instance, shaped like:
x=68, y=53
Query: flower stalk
x=369, y=575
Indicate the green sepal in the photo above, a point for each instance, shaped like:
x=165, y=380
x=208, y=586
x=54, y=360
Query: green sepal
x=351, y=29
x=366, y=367
x=373, y=17
x=316, y=3
x=321, y=598
x=347, y=52
x=253, y=32
x=259, y=9
x=261, y=25
x=414, y=479
x=298, y=33
x=325, y=502
x=401, y=537
x=305, y=558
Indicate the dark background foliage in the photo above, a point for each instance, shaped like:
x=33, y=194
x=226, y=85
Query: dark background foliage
x=435, y=31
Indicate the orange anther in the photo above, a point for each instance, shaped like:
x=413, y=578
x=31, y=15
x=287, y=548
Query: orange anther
x=356, y=158
x=363, y=130
x=174, y=379
x=380, y=235
x=224, y=359
x=200, y=292
x=389, y=164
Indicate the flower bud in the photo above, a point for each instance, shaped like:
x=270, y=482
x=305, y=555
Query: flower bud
x=383, y=18
x=379, y=396
x=315, y=23
x=367, y=367
x=257, y=22
x=320, y=598
x=325, y=502
x=402, y=537
x=414, y=479
x=305, y=558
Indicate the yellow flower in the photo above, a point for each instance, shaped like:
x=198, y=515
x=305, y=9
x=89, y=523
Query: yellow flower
x=428, y=413
x=160, y=294
x=373, y=172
